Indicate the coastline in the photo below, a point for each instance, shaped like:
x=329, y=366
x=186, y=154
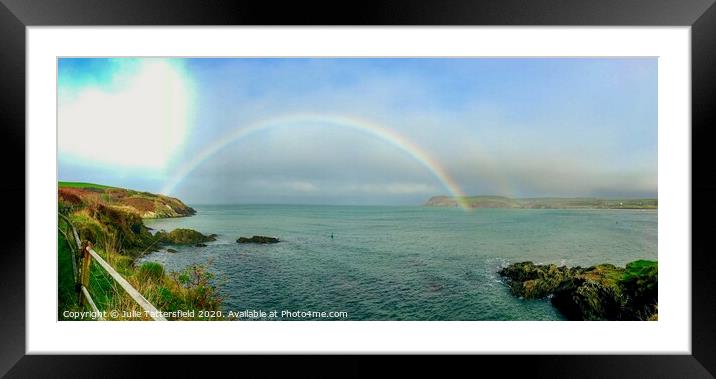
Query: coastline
x=451, y=264
x=427, y=275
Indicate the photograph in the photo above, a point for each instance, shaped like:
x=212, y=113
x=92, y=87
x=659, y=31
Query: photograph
x=276, y=188
x=238, y=184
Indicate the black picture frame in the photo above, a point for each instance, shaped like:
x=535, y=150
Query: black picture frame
x=16, y=15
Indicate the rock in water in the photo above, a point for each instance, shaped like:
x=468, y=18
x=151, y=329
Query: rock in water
x=601, y=292
x=183, y=237
x=258, y=239
x=531, y=281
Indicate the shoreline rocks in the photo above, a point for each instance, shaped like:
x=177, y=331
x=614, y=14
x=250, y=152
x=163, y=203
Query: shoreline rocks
x=183, y=237
x=601, y=292
x=258, y=239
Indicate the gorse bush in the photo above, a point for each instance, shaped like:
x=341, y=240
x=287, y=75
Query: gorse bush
x=189, y=289
x=200, y=292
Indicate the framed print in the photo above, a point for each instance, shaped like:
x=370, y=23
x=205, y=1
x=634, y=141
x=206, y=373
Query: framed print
x=474, y=179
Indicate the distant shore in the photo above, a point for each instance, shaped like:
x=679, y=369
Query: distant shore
x=541, y=203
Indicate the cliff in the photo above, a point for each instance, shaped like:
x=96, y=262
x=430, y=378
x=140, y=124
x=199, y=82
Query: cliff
x=143, y=204
x=113, y=217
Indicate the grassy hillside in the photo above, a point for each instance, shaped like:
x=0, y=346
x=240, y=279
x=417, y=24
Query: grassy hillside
x=83, y=185
x=542, y=203
x=143, y=204
x=111, y=218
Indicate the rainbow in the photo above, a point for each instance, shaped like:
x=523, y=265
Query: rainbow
x=369, y=128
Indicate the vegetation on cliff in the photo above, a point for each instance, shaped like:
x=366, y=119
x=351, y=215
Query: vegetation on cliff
x=143, y=204
x=541, y=203
x=189, y=289
x=110, y=216
x=601, y=292
x=111, y=219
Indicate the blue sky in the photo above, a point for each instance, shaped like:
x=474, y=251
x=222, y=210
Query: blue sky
x=516, y=127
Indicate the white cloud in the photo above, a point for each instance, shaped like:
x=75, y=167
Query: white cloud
x=139, y=124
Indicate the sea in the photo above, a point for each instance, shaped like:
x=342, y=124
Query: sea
x=393, y=262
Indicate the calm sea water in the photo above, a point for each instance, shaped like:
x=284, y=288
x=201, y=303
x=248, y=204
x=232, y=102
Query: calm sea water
x=400, y=263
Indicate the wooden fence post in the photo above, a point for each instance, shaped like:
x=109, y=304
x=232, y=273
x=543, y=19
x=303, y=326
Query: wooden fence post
x=86, y=260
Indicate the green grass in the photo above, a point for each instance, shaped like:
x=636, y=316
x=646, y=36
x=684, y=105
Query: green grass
x=167, y=291
x=66, y=295
x=151, y=271
x=83, y=185
x=640, y=268
x=641, y=281
x=642, y=275
x=101, y=286
x=119, y=236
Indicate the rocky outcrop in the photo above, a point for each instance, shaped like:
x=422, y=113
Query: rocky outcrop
x=183, y=237
x=258, y=239
x=531, y=281
x=601, y=292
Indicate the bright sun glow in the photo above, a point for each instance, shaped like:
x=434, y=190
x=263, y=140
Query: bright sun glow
x=138, y=123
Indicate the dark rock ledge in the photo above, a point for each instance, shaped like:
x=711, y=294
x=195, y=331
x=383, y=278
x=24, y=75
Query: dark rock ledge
x=258, y=239
x=601, y=292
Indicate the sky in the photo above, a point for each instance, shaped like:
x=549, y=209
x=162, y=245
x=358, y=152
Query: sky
x=378, y=131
